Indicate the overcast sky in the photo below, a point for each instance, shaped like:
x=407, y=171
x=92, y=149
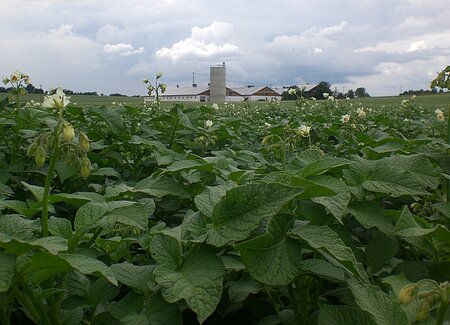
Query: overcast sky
x=111, y=45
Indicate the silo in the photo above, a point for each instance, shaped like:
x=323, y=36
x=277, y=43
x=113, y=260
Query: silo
x=217, y=76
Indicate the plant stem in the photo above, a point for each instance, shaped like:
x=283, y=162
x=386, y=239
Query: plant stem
x=172, y=136
x=49, y=177
x=275, y=308
x=294, y=304
x=94, y=237
x=441, y=313
x=4, y=319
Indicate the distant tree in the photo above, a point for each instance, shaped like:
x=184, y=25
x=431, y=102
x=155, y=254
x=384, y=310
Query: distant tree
x=361, y=92
x=350, y=94
x=322, y=87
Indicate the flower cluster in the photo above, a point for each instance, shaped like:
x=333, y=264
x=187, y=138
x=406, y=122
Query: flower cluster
x=303, y=131
x=361, y=113
x=440, y=115
x=17, y=80
x=345, y=118
x=58, y=100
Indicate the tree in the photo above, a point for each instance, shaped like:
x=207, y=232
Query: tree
x=350, y=94
x=322, y=87
x=361, y=92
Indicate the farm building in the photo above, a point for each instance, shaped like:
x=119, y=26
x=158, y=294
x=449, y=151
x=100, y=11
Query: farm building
x=217, y=91
x=202, y=94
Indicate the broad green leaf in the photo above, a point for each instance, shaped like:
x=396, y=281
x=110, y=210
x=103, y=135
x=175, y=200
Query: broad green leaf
x=183, y=118
x=242, y=209
x=343, y=315
x=330, y=245
x=72, y=317
x=19, y=207
x=110, y=116
x=383, y=308
x=18, y=227
x=187, y=164
x=51, y=244
x=321, y=166
x=336, y=203
x=166, y=250
x=370, y=215
x=134, y=276
x=323, y=269
x=210, y=196
x=198, y=280
x=417, y=166
x=101, y=291
x=232, y=263
x=444, y=208
x=131, y=304
x=393, y=181
x=380, y=250
x=89, y=214
x=107, y=171
x=77, y=199
x=441, y=240
x=37, y=191
x=65, y=171
x=407, y=226
x=60, y=227
x=135, y=215
x=7, y=267
x=272, y=258
x=160, y=187
x=44, y=266
x=158, y=312
x=88, y=265
x=194, y=227
x=239, y=290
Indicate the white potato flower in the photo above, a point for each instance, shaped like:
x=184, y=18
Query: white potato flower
x=59, y=100
x=208, y=123
x=345, y=118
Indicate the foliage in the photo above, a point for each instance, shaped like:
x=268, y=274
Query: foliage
x=256, y=214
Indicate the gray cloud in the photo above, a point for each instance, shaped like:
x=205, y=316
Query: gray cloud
x=109, y=46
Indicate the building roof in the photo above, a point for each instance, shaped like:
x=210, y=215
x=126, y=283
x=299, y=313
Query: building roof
x=307, y=87
x=184, y=91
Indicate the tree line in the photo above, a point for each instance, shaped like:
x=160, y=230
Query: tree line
x=323, y=87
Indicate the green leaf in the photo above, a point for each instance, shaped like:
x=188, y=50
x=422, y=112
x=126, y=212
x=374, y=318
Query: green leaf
x=52, y=244
x=37, y=191
x=135, y=276
x=60, y=227
x=194, y=227
x=336, y=203
x=272, y=258
x=380, y=250
x=198, y=280
x=242, y=209
x=107, y=171
x=323, y=269
x=210, y=196
x=19, y=207
x=383, y=308
x=88, y=265
x=18, y=227
x=166, y=250
x=160, y=187
x=110, y=116
x=65, y=171
x=135, y=215
x=239, y=290
x=183, y=118
x=369, y=215
x=321, y=166
x=89, y=214
x=343, y=315
x=77, y=199
x=407, y=226
x=7, y=267
x=43, y=266
x=330, y=245
x=188, y=164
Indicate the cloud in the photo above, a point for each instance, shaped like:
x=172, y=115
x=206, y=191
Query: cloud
x=122, y=49
x=208, y=42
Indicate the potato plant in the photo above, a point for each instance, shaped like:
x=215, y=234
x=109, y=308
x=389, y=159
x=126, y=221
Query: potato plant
x=323, y=212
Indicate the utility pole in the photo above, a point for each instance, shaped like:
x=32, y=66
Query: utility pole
x=193, y=79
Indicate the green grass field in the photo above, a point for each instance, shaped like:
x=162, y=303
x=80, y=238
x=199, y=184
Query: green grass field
x=427, y=101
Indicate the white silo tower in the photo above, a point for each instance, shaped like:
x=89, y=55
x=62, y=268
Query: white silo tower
x=217, y=77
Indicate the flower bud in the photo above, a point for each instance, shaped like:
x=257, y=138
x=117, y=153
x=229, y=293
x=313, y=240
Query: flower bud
x=159, y=75
x=84, y=141
x=408, y=294
x=68, y=132
x=39, y=156
x=31, y=151
x=85, y=169
x=5, y=80
x=431, y=296
x=423, y=311
x=163, y=88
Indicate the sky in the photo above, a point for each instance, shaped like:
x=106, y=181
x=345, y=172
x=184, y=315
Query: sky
x=109, y=46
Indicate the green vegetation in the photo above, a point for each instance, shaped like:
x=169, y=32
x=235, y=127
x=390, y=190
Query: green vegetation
x=299, y=212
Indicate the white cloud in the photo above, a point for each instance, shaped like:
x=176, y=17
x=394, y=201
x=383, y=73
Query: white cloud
x=122, y=49
x=208, y=42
